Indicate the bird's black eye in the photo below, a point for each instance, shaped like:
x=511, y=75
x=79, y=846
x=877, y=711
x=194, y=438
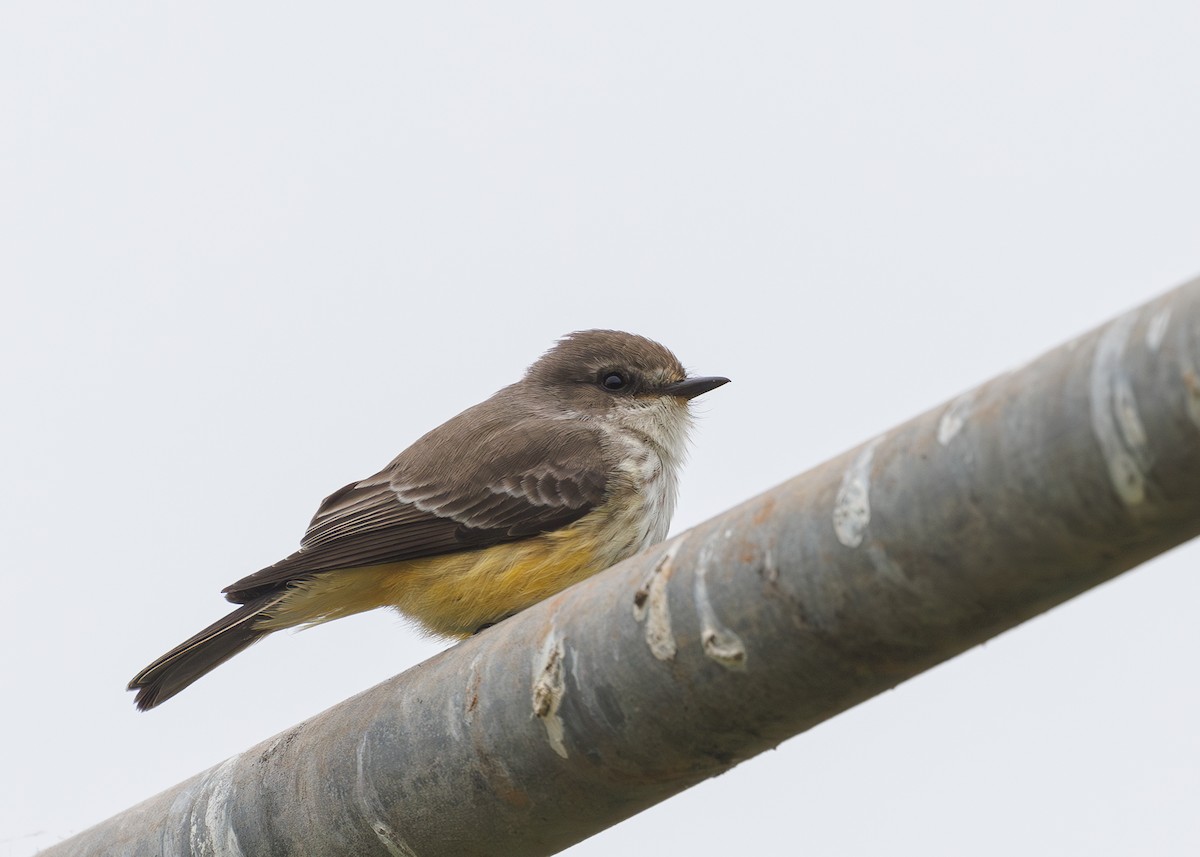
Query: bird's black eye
x=613, y=381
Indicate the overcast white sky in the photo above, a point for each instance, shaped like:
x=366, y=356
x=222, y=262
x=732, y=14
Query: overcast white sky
x=250, y=251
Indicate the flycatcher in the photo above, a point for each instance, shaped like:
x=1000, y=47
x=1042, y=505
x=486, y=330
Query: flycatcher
x=554, y=478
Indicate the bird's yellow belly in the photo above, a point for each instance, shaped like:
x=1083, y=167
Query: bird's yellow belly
x=457, y=594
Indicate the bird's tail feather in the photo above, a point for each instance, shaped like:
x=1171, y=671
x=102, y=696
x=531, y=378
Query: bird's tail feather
x=200, y=654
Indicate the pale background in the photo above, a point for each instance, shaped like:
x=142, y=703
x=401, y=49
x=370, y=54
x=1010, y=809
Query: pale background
x=248, y=252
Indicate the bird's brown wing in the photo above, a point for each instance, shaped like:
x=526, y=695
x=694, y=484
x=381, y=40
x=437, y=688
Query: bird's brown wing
x=504, y=485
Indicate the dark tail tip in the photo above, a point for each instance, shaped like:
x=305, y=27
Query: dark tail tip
x=199, y=655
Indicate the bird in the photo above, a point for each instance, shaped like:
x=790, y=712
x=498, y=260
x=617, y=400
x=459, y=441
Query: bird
x=550, y=480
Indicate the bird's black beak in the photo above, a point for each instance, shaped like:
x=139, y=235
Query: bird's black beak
x=690, y=388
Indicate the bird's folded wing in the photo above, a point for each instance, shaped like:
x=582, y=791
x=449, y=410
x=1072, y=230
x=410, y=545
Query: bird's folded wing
x=396, y=515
